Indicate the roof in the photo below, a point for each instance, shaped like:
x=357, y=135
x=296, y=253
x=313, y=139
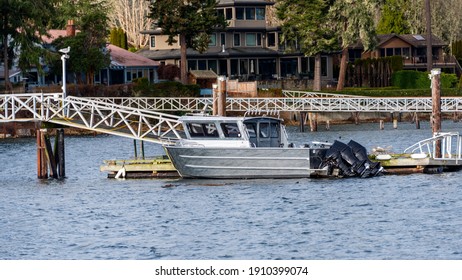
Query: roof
x=228, y=3
x=211, y=52
x=415, y=40
x=128, y=59
x=203, y=74
x=11, y=72
x=55, y=34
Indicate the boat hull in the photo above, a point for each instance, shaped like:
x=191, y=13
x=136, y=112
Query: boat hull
x=230, y=163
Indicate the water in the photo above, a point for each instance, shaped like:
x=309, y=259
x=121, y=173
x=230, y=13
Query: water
x=88, y=216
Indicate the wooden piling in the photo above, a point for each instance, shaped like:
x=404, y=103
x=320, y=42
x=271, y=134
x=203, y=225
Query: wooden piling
x=382, y=125
x=328, y=125
x=436, y=107
x=395, y=123
x=302, y=121
x=61, y=154
x=313, y=119
x=356, y=117
x=221, y=98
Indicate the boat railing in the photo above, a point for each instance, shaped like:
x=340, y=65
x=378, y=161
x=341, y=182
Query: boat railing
x=451, y=146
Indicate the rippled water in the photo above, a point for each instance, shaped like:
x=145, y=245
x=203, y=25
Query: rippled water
x=87, y=216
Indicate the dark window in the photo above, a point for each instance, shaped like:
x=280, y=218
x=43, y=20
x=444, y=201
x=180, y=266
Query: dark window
x=202, y=64
x=389, y=52
x=231, y=130
x=258, y=39
x=202, y=130
x=239, y=13
x=221, y=13
x=271, y=39
x=222, y=39
x=249, y=13
x=229, y=13
x=260, y=13
x=397, y=51
x=192, y=64
x=237, y=39
x=264, y=130
x=153, y=41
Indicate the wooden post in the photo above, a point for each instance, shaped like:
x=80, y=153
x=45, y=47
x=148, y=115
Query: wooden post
x=417, y=121
x=328, y=125
x=302, y=121
x=395, y=123
x=313, y=119
x=221, y=96
x=356, y=117
x=135, y=148
x=42, y=166
x=215, y=102
x=436, y=108
x=61, y=154
x=142, y=149
x=382, y=125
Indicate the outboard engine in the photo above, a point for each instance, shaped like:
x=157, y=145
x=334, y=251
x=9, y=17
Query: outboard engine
x=351, y=160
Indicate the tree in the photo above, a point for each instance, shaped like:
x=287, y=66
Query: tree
x=191, y=20
x=393, y=18
x=22, y=23
x=132, y=17
x=353, y=20
x=305, y=22
x=88, y=53
x=118, y=38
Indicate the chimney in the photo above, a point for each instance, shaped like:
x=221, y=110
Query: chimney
x=70, y=28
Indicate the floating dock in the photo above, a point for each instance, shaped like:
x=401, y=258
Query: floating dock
x=157, y=167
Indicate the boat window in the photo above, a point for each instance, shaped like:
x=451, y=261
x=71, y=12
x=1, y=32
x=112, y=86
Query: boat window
x=202, y=130
x=274, y=130
x=231, y=130
x=264, y=130
x=251, y=129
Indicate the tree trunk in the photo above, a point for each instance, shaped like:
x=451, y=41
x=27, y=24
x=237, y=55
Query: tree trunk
x=8, y=87
x=183, y=61
x=317, y=73
x=343, y=65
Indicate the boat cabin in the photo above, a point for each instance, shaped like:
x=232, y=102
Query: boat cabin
x=235, y=131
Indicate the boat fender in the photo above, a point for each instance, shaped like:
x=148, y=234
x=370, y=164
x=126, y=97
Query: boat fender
x=433, y=170
x=383, y=157
x=121, y=173
x=419, y=156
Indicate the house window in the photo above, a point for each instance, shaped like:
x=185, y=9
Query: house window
x=389, y=52
x=212, y=65
x=243, y=66
x=249, y=13
x=240, y=13
x=237, y=39
x=406, y=52
x=229, y=13
x=192, y=64
x=202, y=64
x=260, y=13
x=271, y=40
x=153, y=41
x=397, y=51
x=213, y=39
x=251, y=39
x=221, y=13
x=223, y=39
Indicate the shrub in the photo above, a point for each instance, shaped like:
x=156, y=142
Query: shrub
x=408, y=79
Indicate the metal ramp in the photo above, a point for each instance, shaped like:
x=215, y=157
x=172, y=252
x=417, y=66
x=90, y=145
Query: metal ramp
x=91, y=114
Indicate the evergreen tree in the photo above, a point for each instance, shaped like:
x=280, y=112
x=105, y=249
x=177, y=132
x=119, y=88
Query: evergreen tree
x=191, y=20
x=306, y=22
x=88, y=53
x=22, y=23
x=393, y=19
x=353, y=21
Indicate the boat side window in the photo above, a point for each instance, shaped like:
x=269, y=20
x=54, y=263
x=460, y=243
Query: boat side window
x=251, y=129
x=231, y=130
x=201, y=130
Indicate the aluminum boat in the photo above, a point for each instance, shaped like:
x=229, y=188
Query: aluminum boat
x=252, y=147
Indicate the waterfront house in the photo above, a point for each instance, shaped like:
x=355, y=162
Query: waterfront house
x=249, y=48
x=413, y=49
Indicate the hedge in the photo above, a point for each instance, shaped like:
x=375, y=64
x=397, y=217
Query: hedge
x=407, y=79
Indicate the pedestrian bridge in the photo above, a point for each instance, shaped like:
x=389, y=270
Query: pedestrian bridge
x=148, y=118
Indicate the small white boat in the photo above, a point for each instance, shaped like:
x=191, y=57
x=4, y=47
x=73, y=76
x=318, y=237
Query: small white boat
x=253, y=147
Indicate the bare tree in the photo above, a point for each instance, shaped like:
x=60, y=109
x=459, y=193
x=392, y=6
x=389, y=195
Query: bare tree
x=131, y=16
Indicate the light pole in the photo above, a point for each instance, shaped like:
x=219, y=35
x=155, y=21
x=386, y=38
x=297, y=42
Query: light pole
x=65, y=56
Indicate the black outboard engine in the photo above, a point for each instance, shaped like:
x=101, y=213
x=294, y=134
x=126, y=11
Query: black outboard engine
x=351, y=160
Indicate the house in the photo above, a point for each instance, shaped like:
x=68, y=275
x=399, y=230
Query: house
x=413, y=49
x=249, y=48
x=125, y=66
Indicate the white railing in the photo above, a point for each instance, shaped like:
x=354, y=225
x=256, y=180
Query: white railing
x=90, y=114
x=309, y=94
x=451, y=146
x=313, y=104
